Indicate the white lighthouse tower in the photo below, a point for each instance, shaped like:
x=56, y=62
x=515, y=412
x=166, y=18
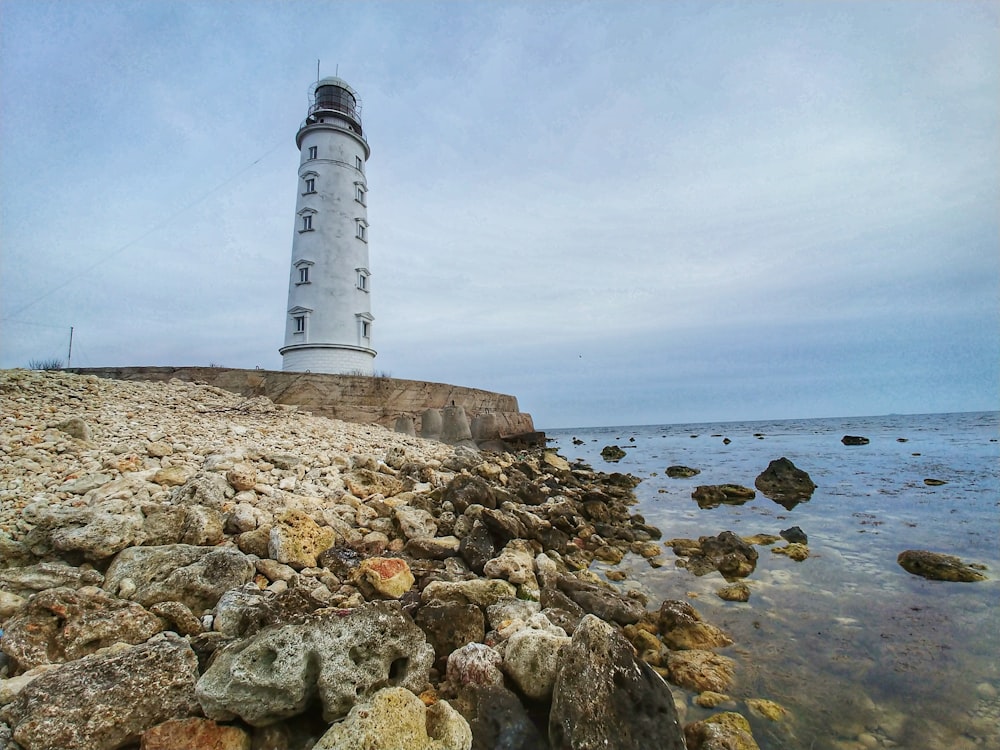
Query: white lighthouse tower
x=328, y=326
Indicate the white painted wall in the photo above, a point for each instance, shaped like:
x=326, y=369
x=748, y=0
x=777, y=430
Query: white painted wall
x=332, y=302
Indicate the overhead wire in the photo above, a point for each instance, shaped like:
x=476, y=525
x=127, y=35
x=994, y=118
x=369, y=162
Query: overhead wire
x=154, y=228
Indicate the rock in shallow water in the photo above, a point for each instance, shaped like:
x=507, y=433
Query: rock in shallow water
x=785, y=483
x=939, y=567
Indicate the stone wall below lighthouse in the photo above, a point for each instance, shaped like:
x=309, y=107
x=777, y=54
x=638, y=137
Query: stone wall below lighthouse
x=353, y=398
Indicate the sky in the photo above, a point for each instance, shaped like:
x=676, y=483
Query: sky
x=619, y=212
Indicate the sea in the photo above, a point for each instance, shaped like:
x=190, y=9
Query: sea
x=860, y=653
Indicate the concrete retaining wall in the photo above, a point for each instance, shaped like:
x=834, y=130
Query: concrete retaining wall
x=352, y=398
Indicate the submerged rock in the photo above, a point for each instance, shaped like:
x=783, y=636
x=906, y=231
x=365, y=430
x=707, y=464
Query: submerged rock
x=612, y=453
x=940, y=567
x=727, y=553
x=854, y=440
x=604, y=697
x=700, y=670
x=725, y=731
x=681, y=627
x=714, y=495
x=682, y=472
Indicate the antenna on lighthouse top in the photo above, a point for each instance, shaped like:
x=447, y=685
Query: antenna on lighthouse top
x=317, y=69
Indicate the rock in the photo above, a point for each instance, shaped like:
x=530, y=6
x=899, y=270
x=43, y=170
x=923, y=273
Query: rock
x=47, y=575
x=794, y=535
x=433, y=548
x=725, y=731
x=603, y=697
x=797, y=552
x=531, y=659
x=939, y=567
x=9, y=604
x=682, y=472
x=450, y=625
x=195, y=576
x=727, y=553
x=604, y=602
x=159, y=449
x=98, y=532
x=341, y=656
x=242, y=477
x=500, y=721
x=714, y=495
x=208, y=489
x=854, y=440
x=681, y=627
x=196, y=734
x=85, y=484
x=181, y=619
x=767, y=709
x=201, y=526
x=11, y=687
x=785, y=483
x=555, y=461
x=394, y=719
x=734, y=592
x=710, y=699
x=479, y=591
x=477, y=547
x=699, y=670
x=465, y=490
x=516, y=563
x=106, y=700
x=76, y=428
x=172, y=476
x=474, y=664
x=934, y=482
x=389, y=576
x=415, y=523
x=296, y=539
x=65, y=624
x=612, y=453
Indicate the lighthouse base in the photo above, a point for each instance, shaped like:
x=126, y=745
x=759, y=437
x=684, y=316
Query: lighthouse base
x=334, y=360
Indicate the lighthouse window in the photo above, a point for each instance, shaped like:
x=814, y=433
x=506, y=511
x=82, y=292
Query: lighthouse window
x=312, y=152
x=300, y=323
x=310, y=185
x=307, y=223
x=304, y=275
x=359, y=193
x=366, y=329
x=362, y=230
x=359, y=164
x=362, y=280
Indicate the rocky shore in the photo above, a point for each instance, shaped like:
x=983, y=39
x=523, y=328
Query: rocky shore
x=182, y=567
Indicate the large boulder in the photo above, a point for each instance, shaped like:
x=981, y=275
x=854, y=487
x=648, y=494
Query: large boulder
x=500, y=722
x=939, y=567
x=785, y=483
x=65, y=624
x=394, y=718
x=605, y=697
x=602, y=601
x=106, y=700
x=297, y=540
x=195, y=576
x=531, y=660
x=339, y=656
x=450, y=625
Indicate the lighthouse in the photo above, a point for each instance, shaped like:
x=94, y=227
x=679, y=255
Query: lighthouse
x=328, y=321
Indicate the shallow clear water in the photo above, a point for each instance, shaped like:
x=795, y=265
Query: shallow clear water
x=859, y=651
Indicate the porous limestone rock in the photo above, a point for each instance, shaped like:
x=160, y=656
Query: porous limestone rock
x=605, y=697
x=47, y=575
x=531, y=660
x=602, y=601
x=196, y=734
x=795, y=551
x=205, y=488
x=97, y=532
x=474, y=664
x=242, y=477
x=76, y=428
x=106, y=700
x=64, y=624
x=393, y=719
x=296, y=539
x=389, y=576
x=479, y=591
x=196, y=576
x=415, y=523
x=341, y=656
x=515, y=563
x=450, y=625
